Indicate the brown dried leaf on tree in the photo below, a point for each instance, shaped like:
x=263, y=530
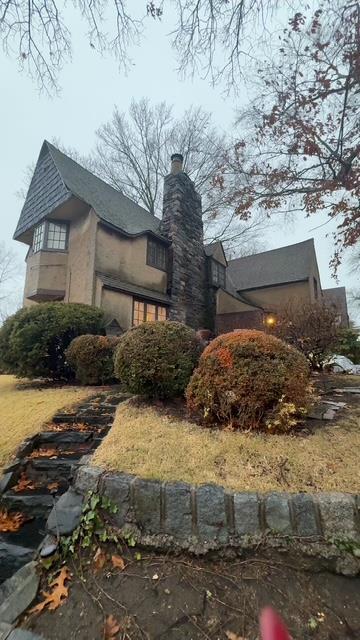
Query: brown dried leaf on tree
x=11, y=522
x=111, y=628
x=55, y=598
x=99, y=559
x=117, y=562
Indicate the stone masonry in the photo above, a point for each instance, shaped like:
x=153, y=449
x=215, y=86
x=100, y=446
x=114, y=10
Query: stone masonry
x=182, y=224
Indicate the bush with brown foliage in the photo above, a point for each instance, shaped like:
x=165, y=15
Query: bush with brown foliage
x=92, y=358
x=156, y=359
x=311, y=328
x=248, y=379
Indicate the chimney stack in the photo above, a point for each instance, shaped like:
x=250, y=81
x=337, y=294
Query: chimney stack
x=176, y=163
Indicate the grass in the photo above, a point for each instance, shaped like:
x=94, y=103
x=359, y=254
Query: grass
x=150, y=444
x=24, y=409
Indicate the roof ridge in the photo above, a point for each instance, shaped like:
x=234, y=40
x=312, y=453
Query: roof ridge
x=260, y=253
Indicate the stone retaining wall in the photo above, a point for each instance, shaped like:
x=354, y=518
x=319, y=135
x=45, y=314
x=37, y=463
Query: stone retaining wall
x=210, y=517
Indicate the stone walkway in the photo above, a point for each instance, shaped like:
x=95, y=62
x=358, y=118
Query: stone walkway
x=43, y=471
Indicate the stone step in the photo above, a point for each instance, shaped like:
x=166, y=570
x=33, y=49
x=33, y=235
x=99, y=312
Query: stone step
x=64, y=437
x=29, y=535
x=83, y=418
x=12, y=557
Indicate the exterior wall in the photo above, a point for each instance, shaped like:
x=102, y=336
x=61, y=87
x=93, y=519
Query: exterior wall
x=239, y=320
x=275, y=297
x=119, y=306
x=45, y=271
x=182, y=224
x=226, y=303
x=126, y=258
x=219, y=255
x=80, y=285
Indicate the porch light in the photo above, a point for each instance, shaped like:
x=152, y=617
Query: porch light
x=270, y=320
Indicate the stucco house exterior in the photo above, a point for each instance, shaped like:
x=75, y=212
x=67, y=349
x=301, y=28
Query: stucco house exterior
x=89, y=243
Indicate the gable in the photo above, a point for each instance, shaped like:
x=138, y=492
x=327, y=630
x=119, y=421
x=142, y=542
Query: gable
x=294, y=263
x=46, y=192
x=216, y=251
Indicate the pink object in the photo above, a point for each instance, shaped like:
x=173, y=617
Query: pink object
x=272, y=626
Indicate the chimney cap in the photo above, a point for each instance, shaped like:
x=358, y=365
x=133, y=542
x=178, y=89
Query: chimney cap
x=177, y=156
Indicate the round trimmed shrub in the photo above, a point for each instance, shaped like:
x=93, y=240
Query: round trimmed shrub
x=156, y=359
x=92, y=358
x=33, y=341
x=249, y=379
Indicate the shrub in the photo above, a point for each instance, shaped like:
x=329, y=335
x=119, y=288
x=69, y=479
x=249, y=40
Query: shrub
x=33, y=340
x=249, y=379
x=92, y=358
x=156, y=359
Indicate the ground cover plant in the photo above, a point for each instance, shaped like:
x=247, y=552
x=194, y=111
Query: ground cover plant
x=25, y=408
x=156, y=359
x=161, y=443
x=33, y=341
x=92, y=358
x=251, y=380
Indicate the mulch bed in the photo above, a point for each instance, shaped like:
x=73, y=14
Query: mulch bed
x=167, y=598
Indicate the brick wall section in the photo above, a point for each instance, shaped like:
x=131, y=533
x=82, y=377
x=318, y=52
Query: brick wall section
x=211, y=514
x=226, y=322
x=182, y=224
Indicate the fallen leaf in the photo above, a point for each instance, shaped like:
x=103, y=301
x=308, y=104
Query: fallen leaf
x=24, y=483
x=111, y=628
x=99, y=559
x=118, y=562
x=44, y=453
x=233, y=636
x=53, y=486
x=57, y=596
x=11, y=522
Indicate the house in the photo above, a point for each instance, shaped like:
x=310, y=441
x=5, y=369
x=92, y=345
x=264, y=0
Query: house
x=336, y=298
x=89, y=243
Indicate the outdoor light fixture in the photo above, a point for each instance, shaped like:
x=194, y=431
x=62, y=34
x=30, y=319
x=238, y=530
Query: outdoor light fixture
x=270, y=320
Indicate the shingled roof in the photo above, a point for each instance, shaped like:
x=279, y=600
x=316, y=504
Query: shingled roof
x=269, y=268
x=57, y=178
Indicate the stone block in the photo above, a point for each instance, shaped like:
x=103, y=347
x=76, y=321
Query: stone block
x=87, y=479
x=211, y=513
x=304, y=512
x=337, y=512
x=17, y=593
x=5, y=629
x=147, y=498
x=117, y=488
x=65, y=514
x=178, y=515
x=277, y=513
x=24, y=634
x=5, y=481
x=246, y=514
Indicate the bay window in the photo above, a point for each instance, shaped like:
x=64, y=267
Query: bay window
x=50, y=235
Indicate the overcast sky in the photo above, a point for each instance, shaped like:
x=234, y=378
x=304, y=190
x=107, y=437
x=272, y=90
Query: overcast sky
x=91, y=86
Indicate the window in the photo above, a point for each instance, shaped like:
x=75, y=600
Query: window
x=218, y=273
x=316, y=293
x=156, y=255
x=38, y=239
x=50, y=235
x=146, y=312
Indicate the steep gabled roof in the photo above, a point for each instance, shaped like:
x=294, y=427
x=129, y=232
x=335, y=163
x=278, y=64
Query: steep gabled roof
x=269, y=268
x=57, y=178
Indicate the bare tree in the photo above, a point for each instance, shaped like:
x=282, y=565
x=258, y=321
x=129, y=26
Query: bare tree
x=8, y=273
x=133, y=155
x=300, y=144
x=39, y=35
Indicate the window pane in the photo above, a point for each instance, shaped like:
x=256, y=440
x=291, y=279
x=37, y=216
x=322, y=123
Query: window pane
x=161, y=313
x=150, y=312
x=156, y=254
x=38, y=237
x=56, y=238
x=139, y=309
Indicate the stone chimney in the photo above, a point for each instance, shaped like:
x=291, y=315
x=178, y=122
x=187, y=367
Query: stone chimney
x=182, y=225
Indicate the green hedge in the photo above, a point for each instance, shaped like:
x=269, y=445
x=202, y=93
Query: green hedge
x=92, y=358
x=156, y=359
x=33, y=341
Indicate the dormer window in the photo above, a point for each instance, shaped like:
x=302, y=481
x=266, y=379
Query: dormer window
x=50, y=236
x=218, y=274
x=156, y=254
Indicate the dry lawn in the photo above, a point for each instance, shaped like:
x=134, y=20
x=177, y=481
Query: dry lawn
x=144, y=442
x=24, y=409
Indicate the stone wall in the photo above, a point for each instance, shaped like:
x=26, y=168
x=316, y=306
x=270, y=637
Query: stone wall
x=210, y=517
x=182, y=224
